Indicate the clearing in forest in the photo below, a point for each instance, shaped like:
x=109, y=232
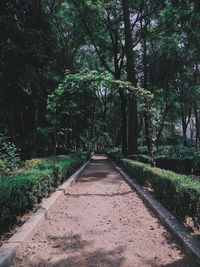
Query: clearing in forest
x=102, y=222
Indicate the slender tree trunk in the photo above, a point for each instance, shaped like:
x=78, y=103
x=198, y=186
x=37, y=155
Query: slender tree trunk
x=186, y=118
x=197, y=126
x=55, y=143
x=130, y=68
x=123, y=103
x=147, y=118
x=124, y=121
x=184, y=128
x=69, y=133
x=35, y=135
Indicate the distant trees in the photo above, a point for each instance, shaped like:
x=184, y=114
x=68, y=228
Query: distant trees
x=152, y=44
x=38, y=44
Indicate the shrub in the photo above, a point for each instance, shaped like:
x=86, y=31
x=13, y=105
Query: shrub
x=180, y=159
x=9, y=156
x=142, y=158
x=115, y=154
x=143, y=150
x=33, y=163
x=19, y=193
x=175, y=164
x=2, y=167
x=178, y=193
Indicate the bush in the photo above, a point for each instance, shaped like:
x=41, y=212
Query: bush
x=178, y=151
x=178, y=193
x=143, y=150
x=142, y=158
x=33, y=163
x=180, y=159
x=21, y=192
x=174, y=164
x=9, y=156
x=115, y=154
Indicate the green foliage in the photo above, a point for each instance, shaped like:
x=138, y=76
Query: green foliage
x=178, y=193
x=175, y=164
x=9, y=156
x=142, y=158
x=143, y=150
x=115, y=154
x=21, y=192
x=33, y=163
x=179, y=159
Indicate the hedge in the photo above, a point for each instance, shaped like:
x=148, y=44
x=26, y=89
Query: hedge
x=178, y=193
x=174, y=164
x=115, y=154
x=20, y=193
x=142, y=158
x=185, y=165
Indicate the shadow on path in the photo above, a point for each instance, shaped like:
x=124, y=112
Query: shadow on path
x=179, y=263
x=67, y=242
x=81, y=257
x=93, y=176
x=101, y=195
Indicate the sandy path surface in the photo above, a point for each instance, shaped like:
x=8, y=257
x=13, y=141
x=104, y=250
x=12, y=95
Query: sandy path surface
x=102, y=222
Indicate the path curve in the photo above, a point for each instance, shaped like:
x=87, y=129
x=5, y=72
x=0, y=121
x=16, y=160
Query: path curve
x=101, y=222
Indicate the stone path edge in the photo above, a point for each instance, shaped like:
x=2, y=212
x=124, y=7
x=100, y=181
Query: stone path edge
x=190, y=245
x=29, y=228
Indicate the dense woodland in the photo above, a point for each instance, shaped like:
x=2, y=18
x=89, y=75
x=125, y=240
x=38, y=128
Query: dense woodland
x=56, y=58
x=115, y=76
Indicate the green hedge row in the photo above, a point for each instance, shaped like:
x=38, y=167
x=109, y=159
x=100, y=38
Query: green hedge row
x=178, y=193
x=186, y=165
x=21, y=192
x=142, y=158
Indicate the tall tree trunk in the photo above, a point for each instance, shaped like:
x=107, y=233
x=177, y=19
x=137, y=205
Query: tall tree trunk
x=124, y=121
x=184, y=128
x=147, y=118
x=186, y=118
x=130, y=68
x=123, y=101
x=197, y=126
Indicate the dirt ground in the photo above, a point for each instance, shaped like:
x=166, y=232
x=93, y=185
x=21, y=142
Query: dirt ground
x=102, y=222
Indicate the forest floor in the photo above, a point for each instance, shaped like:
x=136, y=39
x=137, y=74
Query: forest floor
x=102, y=222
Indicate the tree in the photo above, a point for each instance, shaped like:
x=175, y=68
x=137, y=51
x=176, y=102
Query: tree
x=130, y=69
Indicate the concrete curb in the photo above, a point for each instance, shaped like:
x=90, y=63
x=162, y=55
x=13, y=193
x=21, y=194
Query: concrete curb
x=190, y=244
x=29, y=228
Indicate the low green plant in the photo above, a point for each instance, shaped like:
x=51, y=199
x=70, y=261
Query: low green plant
x=179, y=165
x=33, y=163
x=20, y=192
x=115, y=154
x=143, y=150
x=2, y=167
x=178, y=193
x=142, y=158
x=9, y=156
x=180, y=159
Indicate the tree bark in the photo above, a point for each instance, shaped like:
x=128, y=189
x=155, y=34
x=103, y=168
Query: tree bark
x=124, y=121
x=197, y=126
x=147, y=119
x=130, y=68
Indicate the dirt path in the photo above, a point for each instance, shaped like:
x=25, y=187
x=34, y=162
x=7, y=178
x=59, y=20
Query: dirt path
x=101, y=222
